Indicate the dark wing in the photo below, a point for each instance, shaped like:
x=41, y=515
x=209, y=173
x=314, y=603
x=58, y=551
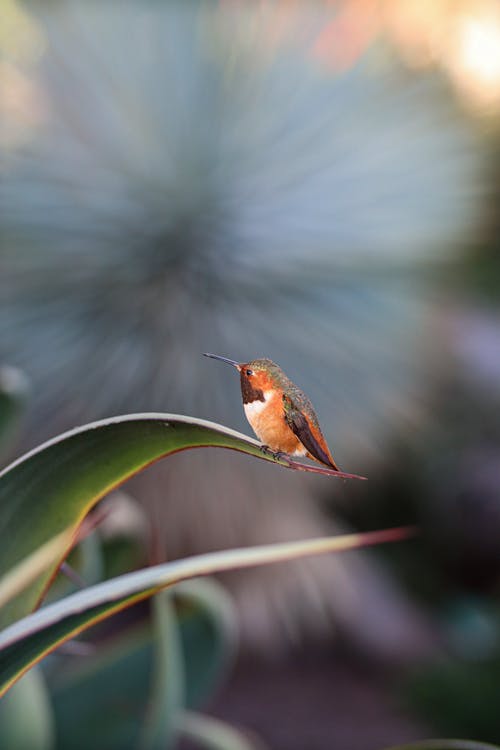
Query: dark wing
x=305, y=432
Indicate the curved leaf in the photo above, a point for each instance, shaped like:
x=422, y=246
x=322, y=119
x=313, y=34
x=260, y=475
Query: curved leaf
x=26, y=571
x=53, y=487
x=100, y=700
x=13, y=392
x=194, y=635
x=26, y=715
x=108, y=694
x=213, y=734
x=209, y=635
x=167, y=695
x=29, y=640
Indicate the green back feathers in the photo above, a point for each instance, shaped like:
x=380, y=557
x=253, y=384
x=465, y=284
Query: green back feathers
x=298, y=400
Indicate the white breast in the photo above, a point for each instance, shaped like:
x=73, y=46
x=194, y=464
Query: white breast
x=255, y=407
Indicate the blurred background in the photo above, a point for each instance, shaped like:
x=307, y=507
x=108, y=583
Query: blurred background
x=318, y=184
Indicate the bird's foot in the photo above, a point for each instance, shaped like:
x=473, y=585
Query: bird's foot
x=267, y=451
x=290, y=463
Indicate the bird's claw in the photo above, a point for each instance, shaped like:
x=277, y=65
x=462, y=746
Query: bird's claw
x=277, y=455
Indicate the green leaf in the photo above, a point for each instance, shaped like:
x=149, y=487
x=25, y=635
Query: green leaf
x=26, y=719
x=27, y=641
x=209, y=636
x=13, y=392
x=53, y=487
x=86, y=563
x=168, y=686
x=107, y=694
x=212, y=734
x=459, y=696
x=33, y=566
x=192, y=648
x=100, y=701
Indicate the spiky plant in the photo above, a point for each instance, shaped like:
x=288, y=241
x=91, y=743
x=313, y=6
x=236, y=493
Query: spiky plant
x=199, y=180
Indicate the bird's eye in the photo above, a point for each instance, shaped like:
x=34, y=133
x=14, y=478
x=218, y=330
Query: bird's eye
x=249, y=372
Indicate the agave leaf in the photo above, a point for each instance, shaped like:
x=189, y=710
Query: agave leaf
x=209, y=634
x=26, y=642
x=192, y=649
x=101, y=699
x=53, y=487
x=26, y=716
x=213, y=734
x=33, y=566
x=167, y=694
x=108, y=694
x=13, y=392
x=459, y=695
x=82, y=567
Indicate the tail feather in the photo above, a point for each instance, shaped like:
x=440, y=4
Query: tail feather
x=331, y=463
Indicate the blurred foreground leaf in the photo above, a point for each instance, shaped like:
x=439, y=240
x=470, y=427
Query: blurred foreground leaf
x=212, y=734
x=13, y=391
x=33, y=566
x=26, y=717
x=459, y=697
x=110, y=695
x=53, y=487
x=29, y=640
x=168, y=683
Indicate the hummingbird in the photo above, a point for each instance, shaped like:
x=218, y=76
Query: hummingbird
x=279, y=413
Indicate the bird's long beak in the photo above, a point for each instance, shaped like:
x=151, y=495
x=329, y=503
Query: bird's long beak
x=223, y=359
